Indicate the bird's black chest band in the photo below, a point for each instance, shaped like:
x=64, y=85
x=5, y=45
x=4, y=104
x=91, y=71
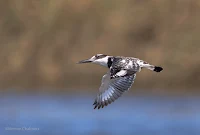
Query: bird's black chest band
x=109, y=62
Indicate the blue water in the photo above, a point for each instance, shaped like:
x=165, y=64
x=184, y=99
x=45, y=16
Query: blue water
x=74, y=115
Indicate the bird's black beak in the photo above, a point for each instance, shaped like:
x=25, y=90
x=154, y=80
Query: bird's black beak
x=84, y=61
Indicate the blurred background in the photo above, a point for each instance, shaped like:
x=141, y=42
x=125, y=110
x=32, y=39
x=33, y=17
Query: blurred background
x=43, y=89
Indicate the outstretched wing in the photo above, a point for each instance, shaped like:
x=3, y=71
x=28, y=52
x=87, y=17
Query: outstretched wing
x=112, y=89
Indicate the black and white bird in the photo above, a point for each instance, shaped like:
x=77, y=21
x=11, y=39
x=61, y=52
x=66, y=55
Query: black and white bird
x=119, y=78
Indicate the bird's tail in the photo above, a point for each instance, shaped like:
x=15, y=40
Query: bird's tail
x=149, y=66
x=157, y=69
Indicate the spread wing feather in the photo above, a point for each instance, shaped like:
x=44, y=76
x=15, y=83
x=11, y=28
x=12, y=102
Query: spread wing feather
x=112, y=89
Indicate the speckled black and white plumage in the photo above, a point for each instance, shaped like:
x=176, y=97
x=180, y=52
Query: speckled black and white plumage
x=120, y=77
x=124, y=66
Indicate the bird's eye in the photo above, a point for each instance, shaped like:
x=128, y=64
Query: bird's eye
x=100, y=56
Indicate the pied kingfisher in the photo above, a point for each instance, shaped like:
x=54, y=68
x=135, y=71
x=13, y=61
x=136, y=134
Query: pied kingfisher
x=119, y=78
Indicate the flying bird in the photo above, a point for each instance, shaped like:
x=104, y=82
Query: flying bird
x=119, y=78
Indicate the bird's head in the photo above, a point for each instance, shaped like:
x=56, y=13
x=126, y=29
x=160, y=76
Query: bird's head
x=100, y=59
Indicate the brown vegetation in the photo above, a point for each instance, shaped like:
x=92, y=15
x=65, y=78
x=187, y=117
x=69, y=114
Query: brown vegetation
x=41, y=41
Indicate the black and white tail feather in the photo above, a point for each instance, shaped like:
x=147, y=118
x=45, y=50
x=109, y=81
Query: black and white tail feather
x=148, y=66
